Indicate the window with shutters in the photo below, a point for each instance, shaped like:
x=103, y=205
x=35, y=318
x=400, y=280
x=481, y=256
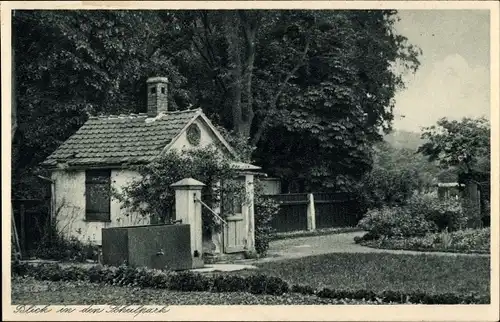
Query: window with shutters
x=97, y=195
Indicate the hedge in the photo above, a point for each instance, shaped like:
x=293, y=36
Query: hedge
x=255, y=284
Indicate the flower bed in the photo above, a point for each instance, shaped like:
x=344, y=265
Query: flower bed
x=462, y=241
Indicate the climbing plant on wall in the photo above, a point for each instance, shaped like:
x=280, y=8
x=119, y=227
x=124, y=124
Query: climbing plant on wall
x=153, y=197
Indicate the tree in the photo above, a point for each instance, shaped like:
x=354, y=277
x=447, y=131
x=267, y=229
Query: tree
x=71, y=64
x=463, y=144
x=397, y=174
x=310, y=89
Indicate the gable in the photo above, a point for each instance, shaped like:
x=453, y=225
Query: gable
x=208, y=136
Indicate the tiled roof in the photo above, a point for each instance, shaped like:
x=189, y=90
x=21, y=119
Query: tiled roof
x=112, y=140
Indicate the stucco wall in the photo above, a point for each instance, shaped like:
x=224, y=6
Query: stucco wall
x=70, y=205
x=207, y=138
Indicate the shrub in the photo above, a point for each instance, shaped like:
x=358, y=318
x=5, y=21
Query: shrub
x=189, y=281
x=303, y=289
x=265, y=209
x=229, y=283
x=445, y=214
x=389, y=187
x=397, y=173
x=262, y=284
x=468, y=241
x=395, y=222
x=56, y=246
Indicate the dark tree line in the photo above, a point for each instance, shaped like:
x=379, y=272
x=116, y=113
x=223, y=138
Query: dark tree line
x=312, y=91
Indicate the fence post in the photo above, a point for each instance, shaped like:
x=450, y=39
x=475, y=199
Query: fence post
x=311, y=213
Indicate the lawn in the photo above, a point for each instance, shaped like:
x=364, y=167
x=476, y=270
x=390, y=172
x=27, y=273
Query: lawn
x=378, y=272
x=431, y=274
x=35, y=292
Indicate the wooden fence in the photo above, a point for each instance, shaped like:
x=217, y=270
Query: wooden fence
x=308, y=211
x=292, y=214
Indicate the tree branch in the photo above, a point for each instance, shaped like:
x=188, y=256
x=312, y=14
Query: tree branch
x=210, y=64
x=273, y=105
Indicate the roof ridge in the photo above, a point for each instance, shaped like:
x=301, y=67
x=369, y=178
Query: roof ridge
x=117, y=116
x=132, y=115
x=185, y=111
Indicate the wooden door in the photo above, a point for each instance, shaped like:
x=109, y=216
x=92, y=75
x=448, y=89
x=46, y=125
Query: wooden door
x=234, y=234
x=234, y=230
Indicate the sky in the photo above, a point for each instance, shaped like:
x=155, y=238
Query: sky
x=454, y=76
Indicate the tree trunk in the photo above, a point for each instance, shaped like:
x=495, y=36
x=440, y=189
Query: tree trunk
x=235, y=71
x=241, y=69
x=249, y=31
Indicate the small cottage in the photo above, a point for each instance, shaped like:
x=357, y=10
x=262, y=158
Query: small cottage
x=99, y=156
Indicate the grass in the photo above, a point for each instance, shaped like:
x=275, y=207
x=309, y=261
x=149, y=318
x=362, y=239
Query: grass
x=379, y=272
x=341, y=271
x=35, y=292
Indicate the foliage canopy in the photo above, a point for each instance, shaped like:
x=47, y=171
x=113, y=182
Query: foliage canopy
x=310, y=90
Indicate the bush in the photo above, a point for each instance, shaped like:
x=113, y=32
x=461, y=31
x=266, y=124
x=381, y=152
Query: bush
x=389, y=187
x=265, y=209
x=397, y=173
x=56, y=246
x=445, y=214
x=471, y=239
x=467, y=241
x=229, y=283
x=262, y=284
x=421, y=215
x=303, y=289
x=395, y=222
x=189, y=281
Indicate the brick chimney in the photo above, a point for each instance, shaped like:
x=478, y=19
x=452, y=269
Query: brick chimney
x=157, y=95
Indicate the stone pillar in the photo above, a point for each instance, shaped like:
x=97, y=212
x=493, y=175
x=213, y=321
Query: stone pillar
x=189, y=211
x=311, y=213
x=250, y=213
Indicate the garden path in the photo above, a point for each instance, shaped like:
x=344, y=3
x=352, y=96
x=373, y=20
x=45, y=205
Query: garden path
x=335, y=243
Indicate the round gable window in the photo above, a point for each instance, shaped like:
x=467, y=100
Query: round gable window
x=193, y=134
